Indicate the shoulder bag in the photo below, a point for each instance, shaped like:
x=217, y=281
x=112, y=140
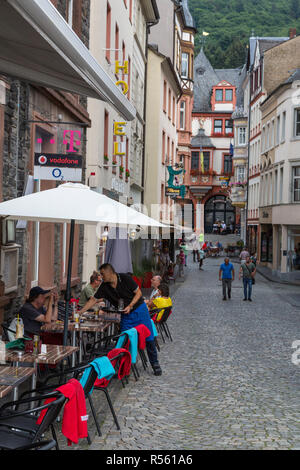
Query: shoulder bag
x=253, y=278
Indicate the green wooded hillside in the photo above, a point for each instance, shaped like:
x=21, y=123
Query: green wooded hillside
x=231, y=22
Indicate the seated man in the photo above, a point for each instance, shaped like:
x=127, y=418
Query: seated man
x=161, y=301
x=90, y=289
x=38, y=310
x=155, y=282
x=117, y=286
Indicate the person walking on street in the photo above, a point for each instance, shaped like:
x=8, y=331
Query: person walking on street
x=248, y=270
x=201, y=258
x=181, y=262
x=243, y=255
x=183, y=246
x=226, y=275
x=195, y=246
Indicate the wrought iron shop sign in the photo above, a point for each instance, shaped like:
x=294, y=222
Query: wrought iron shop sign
x=175, y=187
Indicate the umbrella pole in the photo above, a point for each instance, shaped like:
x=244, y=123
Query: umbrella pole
x=68, y=287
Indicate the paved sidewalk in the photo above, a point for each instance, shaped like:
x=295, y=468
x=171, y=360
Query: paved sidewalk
x=228, y=381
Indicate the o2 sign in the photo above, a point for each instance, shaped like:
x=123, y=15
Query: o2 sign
x=57, y=173
x=58, y=167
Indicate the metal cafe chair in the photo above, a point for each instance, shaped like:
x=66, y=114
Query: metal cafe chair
x=19, y=428
x=43, y=445
x=100, y=350
x=62, y=378
x=162, y=325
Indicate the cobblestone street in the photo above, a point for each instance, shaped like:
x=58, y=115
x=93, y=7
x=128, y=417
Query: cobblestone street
x=228, y=381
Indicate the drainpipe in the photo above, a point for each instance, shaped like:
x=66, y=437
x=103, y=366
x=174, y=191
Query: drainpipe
x=18, y=135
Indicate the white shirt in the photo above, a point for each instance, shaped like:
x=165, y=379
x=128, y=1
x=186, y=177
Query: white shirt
x=154, y=293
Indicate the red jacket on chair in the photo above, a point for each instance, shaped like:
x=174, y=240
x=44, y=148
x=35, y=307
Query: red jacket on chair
x=74, y=424
x=124, y=369
x=143, y=333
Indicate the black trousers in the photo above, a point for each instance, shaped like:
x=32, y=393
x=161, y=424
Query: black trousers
x=195, y=252
x=226, y=283
x=152, y=352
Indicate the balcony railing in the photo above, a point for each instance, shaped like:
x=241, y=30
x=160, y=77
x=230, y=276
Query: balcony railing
x=197, y=171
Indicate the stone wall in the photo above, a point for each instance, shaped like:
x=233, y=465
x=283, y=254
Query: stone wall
x=17, y=153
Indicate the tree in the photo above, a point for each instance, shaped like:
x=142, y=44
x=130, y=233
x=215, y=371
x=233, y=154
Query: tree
x=295, y=9
x=230, y=24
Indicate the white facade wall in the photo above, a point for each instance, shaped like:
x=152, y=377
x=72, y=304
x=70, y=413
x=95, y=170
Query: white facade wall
x=133, y=35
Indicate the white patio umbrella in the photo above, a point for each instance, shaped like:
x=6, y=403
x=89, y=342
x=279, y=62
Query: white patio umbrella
x=75, y=204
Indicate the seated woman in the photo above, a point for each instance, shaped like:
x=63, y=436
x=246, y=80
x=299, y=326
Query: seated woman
x=162, y=301
x=38, y=309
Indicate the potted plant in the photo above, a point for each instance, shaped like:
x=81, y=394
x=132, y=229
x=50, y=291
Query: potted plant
x=127, y=173
x=148, y=267
x=137, y=275
x=121, y=169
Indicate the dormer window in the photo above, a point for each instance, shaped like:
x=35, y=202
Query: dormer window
x=224, y=94
x=223, y=97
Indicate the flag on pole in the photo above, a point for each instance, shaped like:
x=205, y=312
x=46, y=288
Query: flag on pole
x=202, y=161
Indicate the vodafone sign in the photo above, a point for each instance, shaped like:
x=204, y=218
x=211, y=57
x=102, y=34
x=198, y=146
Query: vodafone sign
x=58, y=167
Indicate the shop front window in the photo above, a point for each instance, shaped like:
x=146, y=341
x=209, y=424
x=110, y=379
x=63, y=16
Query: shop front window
x=267, y=246
x=294, y=250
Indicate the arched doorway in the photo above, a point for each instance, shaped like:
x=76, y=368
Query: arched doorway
x=218, y=208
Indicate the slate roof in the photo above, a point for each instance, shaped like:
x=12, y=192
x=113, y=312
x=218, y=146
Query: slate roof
x=294, y=76
x=201, y=140
x=189, y=20
x=264, y=44
x=205, y=77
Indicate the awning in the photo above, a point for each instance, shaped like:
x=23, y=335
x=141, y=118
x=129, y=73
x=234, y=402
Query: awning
x=38, y=45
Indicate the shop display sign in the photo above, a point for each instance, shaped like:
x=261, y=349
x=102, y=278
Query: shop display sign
x=172, y=192
x=119, y=150
x=175, y=187
x=57, y=167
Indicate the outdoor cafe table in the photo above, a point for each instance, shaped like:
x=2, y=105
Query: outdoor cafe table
x=53, y=356
x=89, y=326
x=11, y=378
